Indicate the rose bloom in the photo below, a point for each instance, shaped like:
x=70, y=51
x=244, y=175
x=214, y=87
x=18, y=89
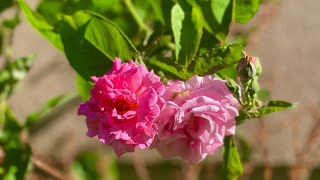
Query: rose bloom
x=123, y=106
x=195, y=118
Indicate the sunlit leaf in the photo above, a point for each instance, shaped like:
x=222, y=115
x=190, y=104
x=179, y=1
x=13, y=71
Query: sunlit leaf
x=245, y=10
x=45, y=29
x=216, y=59
x=187, y=25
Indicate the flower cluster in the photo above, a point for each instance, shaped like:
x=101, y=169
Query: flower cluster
x=129, y=107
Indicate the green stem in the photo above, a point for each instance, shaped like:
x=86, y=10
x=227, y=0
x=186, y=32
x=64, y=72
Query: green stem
x=136, y=17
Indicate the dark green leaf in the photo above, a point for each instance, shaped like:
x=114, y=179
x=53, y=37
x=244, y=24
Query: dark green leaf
x=232, y=163
x=216, y=59
x=82, y=56
x=92, y=42
x=245, y=10
x=47, y=107
x=156, y=64
x=233, y=87
x=5, y=4
x=274, y=106
x=83, y=87
x=41, y=25
x=187, y=24
x=12, y=23
x=13, y=73
x=217, y=15
x=109, y=39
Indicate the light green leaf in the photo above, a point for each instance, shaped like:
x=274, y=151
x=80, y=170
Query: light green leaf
x=83, y=87
x=47, y=107
x=216, y=59
x=41, y=25
x=219, y=9
x=187, y=25
x=245, y=10
x=13, y=73
x=232, y=163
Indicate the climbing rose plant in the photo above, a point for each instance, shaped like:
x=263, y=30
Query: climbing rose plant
x=182, y=87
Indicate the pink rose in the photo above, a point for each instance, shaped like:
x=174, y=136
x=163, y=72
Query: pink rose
x=195, y=118
x=123, y=106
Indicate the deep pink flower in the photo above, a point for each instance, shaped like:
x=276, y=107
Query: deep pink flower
x=195, y=118
x=123, y=106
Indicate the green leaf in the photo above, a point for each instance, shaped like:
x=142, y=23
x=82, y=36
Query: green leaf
x=245, y=149
x=13, y=73
x=217, y=16
x=216, y=59
x=5, y=4
x=51, y=10
x=47, y=107
x=13, y=22
x=169, y=70
x=156, y=6
x=233, y=87
x=231, y=160
x=274, y=106
x=83, y=87
x=92, y=42
x=187, y=25
x=41, y=25
x=109, y=39
x=245, y=10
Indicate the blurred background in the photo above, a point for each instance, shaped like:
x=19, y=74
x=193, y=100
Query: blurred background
x=284, y=34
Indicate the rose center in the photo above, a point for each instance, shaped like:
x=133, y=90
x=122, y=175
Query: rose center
x=123, y=106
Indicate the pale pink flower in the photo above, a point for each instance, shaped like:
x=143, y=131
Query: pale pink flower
x=123, y=106
x=195, y=119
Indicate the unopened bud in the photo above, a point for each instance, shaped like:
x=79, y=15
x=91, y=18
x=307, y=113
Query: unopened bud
x=249, y=67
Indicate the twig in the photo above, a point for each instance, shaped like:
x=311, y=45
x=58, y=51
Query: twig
x=48, y=168
x=140, y=168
